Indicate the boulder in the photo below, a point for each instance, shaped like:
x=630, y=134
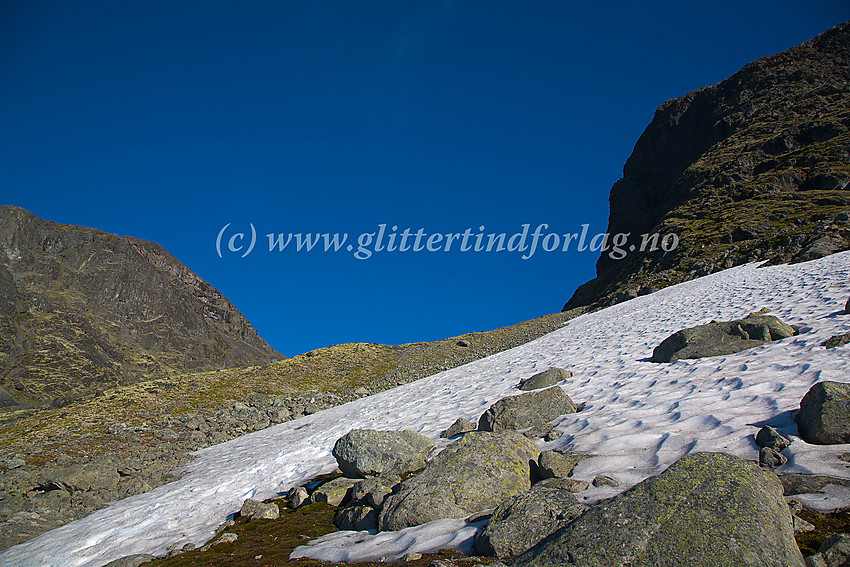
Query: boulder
x=356, y=518
x=527, y=410
x=333, y=492
x=558, y=464
x=824, y=416
x=770, y=437
x=372, y=491
x=836, y=341
x=570, y=484
x=707, y=509
x=254, y=510
x=461, y=425
x=770, y=458
x=366, y=452
x=524, y=519
x=833, y=552
x=544, y=379
x=297, y=496
x=476, y=472
x=722, y=337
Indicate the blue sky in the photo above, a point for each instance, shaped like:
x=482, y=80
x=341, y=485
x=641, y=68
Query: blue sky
x=169, y=120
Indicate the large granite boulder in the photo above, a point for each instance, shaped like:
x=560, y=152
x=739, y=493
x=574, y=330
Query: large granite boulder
x=824, y=416
x=707, y=509
x=526, y=410
x=367, y=452
x=722, y=337
x=524, y=519
x=478, y=471
x=544, y=379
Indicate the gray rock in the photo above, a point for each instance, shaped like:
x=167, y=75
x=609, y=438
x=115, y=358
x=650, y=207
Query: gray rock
x=372, y=491
x=461, y=425
x=227, y=537
x=707, y=509
x=527, y=410
x=722, y=337
x=770, y=437
x=526, y=518
x=99, y=474
x=478, y=471
x=366, y=452
x=801, y=525
x=570, y=484
x=297, y=497
x=603, y=480
x=553, y=434
x=559, y=464
x=131, y=560
x=824, y=416
x=770, y=458
x=333, y=492
x=544, y=379
x=833, y=552
x=836, y=341
x=356, y=518
x=254, y=510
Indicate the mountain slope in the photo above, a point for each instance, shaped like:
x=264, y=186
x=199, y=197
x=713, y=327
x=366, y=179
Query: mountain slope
x=82, y=310
x=753, y=168
x=639, y=416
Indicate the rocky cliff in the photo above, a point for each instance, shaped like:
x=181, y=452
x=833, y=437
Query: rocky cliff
x=754, y=168
x=83, y=310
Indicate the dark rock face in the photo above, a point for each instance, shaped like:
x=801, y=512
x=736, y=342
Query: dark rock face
x=82, y=309
x=753, y=168
x=544, y=379
x=524, y=519
x=365, y=452
x=722, y=337
x=478, y=471
x=824, y=416
x=707, y=509
x=527, y=410
x=836, y=341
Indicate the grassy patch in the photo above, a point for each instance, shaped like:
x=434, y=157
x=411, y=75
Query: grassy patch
x=825, y=526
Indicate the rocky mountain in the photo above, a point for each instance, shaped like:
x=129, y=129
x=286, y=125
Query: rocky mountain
x=82, y=310
x=754, y=168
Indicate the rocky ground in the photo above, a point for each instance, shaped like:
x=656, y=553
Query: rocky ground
x=61, y=463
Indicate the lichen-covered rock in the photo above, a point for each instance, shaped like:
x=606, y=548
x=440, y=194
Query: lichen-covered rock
x=99, y=474
x=524, y=519
x=527, y=410
x=558, y=464
x=824, y=416
x=461, y=425
x=833, y=552
x=372, y=491
x=722, y=337
x=367, y=452
x=356, y=518
x=333, y=492
x=770, y=458
x=544, y=379
x=255, y=510
x=836, y=341
x=569, y=484
x=707, y=509
x=478, y=471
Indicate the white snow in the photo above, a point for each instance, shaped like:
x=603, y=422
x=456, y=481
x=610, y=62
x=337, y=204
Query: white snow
x=639, y=417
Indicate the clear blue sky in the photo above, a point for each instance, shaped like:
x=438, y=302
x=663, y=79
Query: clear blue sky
x=168, y=120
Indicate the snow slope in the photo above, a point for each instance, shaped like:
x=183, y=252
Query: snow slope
x=639, y=416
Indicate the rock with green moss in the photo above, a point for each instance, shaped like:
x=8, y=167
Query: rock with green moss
x=722, y=337
x=333, y=492
x=707, y=509
x=824, y=416
x=559, y=464
x=524, y=519
x=478, y=471
x=544, y=379
x=367, y=452
x=527, y=410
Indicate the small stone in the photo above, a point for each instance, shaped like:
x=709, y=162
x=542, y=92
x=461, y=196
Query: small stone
x=771, y=459
x=770, y=437
x=459, y=427
x=801, y=525
x=254, y=510
x=333, y=492
x=227, y=537
x=463, y=343
x=553, y=434
x=794, y=505
x=411, y=557
x=603, y=480
x=297, y=497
